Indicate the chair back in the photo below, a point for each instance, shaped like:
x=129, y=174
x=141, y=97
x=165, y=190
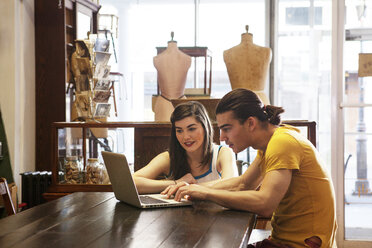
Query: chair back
x=5, y=193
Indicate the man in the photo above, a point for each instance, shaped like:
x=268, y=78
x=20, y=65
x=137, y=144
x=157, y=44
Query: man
x=294, y=187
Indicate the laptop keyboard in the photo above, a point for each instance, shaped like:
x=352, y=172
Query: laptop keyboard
x=149, y=200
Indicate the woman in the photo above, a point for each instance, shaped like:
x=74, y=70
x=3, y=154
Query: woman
x=192, y=157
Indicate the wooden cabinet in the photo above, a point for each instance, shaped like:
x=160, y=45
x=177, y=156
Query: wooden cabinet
x=55, y=31
x=78, y=139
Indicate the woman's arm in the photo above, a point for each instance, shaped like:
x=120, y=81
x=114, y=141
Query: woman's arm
x=146, y=178
x=225, y=164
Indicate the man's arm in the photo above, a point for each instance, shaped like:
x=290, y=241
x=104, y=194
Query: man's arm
x=274, y=186
x=234, y=183
x=250, y=180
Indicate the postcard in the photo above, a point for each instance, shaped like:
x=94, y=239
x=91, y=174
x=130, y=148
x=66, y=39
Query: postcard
x=102, y=72
x=102, y=110
x=102, y=45
x=84, y=66
x=82, y=104
x=102, y=84
x=101, y=58
x=101, y=96
x=82, y=49
x=82, y=83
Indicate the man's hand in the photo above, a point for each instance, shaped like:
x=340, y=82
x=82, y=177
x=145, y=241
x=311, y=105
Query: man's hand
x=192, y=192
x=172, y=189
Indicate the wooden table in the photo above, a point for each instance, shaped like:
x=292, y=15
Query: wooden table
x=97, y=219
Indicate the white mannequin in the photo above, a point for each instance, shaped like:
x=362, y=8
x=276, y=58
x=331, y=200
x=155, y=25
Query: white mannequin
x=172, y=66
x=247, y=65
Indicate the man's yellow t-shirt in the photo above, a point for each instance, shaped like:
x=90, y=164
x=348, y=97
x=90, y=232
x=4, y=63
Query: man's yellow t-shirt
x=308, y=207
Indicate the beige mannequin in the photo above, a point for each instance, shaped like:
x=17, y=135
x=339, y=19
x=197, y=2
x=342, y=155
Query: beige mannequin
x=247, y=65
x=172, y=66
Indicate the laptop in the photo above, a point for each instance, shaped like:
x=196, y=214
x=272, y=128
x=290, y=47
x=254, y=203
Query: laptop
x=125, y=190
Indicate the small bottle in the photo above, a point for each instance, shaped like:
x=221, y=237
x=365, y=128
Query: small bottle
x=106, y=179
x=94, y=171
x=73, y=170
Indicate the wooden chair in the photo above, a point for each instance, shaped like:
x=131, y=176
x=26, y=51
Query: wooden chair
x=5, y=193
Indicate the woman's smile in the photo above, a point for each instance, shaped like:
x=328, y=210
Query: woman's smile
x=189, y=144
x=190, y=134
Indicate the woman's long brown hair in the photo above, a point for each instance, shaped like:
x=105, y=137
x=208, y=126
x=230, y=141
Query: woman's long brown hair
x=178, y=158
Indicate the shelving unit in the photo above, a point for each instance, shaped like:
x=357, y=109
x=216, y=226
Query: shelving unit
x=56, y=29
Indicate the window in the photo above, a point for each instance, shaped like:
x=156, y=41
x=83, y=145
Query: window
x=145, y=25
x=303, y=65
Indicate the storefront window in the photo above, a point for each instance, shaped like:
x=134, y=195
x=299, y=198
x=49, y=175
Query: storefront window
x=145, y=25
x=358, y=122
x=220, y=28
x=303, y=65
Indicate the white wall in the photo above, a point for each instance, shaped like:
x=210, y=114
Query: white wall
x=17, y=84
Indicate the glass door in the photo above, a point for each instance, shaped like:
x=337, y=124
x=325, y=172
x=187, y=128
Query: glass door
x=351, y=119
x=357, y=106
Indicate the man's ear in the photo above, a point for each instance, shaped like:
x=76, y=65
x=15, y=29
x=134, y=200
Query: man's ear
x=250, y=123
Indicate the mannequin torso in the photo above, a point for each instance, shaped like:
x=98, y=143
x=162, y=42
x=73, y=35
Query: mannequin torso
x=172, y=66
x=247, y=65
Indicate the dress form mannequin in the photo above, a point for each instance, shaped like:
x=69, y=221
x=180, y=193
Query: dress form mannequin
x=172, y=66
x=247, y=65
